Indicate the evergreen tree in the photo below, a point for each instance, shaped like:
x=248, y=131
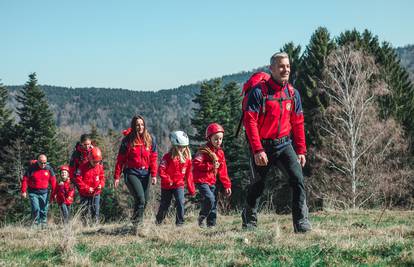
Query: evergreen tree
x=364, y=41
x=97, y=139
x=209, y=108
x=400, y=103
x=37, y=126
x=294, y=58
x=235, y=148
x=313, y=100
x=6, y=120
x=11, y=171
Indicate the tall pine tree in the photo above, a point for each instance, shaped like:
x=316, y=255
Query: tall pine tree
x=37, y=127
x=235, y=147
x=313, y=99
x=209, y=108
x=6, y=120
x=294, y=57
x=400, y=102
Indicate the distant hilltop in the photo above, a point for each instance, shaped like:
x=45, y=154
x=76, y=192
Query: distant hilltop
x=78, y=108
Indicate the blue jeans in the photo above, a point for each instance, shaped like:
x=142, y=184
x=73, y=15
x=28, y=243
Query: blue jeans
x=90, y=206
x=208, y=203
x=65, y=211
x=166, y=196
x=39, y=202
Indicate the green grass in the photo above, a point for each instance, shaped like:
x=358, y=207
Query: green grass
x=339, y=238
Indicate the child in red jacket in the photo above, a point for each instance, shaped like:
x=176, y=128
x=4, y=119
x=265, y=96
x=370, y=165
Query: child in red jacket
x=175, y=170
x=65, y=193
x=90, y=179
x=207, y=164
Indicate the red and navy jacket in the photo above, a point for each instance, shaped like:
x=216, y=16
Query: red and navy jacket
x=65, y=193
x=136, y=156
x=89, y=176
x=36, y=178
x=79, y=156
x=274, y=115
x=173, y=173
x=203, y=168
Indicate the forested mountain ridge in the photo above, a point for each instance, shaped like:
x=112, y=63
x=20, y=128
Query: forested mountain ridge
x=79, y=108
x=76, y=109
x=406, y=54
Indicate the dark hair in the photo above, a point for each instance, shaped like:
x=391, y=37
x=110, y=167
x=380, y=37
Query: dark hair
x=85, y=137
x=145, y=137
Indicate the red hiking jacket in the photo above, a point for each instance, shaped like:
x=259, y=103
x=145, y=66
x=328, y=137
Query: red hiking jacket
x=136, y=157
x=37, y=178
x=203, y=168
x=281, y=116
x=79, y=156
x=171, y=170
x=88, y=177
x=65, y=193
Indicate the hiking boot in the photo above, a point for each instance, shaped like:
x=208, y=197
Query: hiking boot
x=201, y=221
x=302, y=226
x=249, y=219
x=211, y=225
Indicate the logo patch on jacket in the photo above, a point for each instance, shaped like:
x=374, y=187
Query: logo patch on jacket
x=97, y=178
x=183, y=170
x=289, y=106
x=46, y=173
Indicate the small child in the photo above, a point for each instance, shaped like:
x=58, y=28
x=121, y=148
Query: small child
x=65, y=193
x=90, y=179
x=174, y=168
x=207, y=163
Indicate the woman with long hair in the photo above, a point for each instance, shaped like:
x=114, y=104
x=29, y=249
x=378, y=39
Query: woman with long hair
x=137, y=160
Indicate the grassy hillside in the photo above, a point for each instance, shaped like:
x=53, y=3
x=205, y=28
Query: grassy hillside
x=339, y=239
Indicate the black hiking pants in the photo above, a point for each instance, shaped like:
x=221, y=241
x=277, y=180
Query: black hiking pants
x=138, y=186
x=284, y=157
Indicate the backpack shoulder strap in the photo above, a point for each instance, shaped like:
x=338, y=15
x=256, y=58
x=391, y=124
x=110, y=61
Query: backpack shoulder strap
x=265, y=93
x=291, y=91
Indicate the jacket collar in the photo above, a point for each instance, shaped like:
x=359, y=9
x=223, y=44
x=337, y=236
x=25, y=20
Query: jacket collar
x=275, y=85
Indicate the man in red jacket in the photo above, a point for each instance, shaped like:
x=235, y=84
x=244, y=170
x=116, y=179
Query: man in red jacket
x=90, y=179
x=36, y=181
x=273, y=119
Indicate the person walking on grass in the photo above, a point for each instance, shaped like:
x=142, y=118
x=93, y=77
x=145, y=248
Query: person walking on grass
x=80, y=154
x=209, y=162
x=137, y=160
x=65, y=193
x=90, y=178
x=175, y=171
x=273, y=119
x=37, y=179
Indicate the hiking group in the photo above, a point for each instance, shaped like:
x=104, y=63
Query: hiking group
x=274, y=127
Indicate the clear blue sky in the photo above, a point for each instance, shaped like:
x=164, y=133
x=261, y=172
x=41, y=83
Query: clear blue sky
x=150, y=45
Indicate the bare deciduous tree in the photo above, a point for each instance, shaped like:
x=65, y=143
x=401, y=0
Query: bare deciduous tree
x=362, y=155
